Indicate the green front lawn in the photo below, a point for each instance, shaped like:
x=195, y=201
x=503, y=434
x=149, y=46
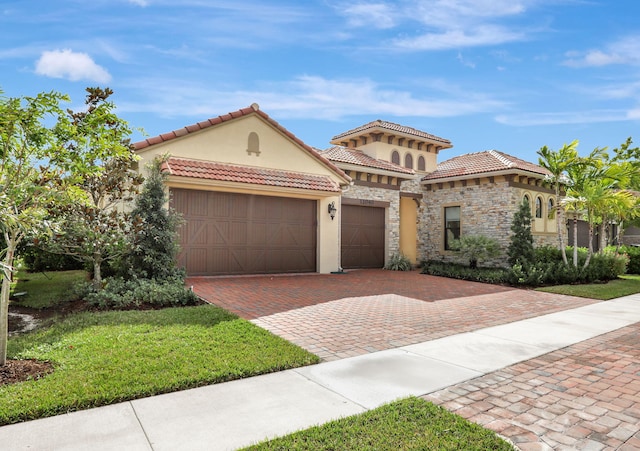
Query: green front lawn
x=408, y=424
x=623, y=286
x=45, y=289
x=107, y=357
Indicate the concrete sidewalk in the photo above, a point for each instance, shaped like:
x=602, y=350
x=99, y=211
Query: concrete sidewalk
x=239, y=413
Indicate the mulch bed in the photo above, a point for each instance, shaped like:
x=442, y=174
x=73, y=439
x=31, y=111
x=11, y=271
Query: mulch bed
x=22, y=370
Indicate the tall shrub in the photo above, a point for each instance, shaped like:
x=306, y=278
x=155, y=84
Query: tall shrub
x=521, y=242
x=154, y=245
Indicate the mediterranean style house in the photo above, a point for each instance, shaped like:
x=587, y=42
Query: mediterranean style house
x=256, y=199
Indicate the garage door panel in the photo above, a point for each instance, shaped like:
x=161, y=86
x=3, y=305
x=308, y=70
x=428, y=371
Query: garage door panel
x=363, y=236
x=230, y=233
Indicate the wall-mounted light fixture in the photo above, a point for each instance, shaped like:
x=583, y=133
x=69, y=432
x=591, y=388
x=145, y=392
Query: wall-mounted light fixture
x=332, y=210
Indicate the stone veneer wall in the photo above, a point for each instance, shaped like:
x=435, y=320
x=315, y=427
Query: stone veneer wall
x=486, y=209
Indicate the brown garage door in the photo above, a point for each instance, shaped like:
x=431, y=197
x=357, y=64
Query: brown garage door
x=362, y=237
x=229, y=233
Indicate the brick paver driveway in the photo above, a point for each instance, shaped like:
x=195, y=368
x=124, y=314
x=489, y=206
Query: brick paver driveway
x=585, y=396
x=344, y=315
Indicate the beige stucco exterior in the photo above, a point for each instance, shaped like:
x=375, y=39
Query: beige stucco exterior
x=409, y=228
x=413, y=207
x=228, y=142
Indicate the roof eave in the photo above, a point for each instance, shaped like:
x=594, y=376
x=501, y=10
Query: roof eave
x=372, y=170
x=483, y=174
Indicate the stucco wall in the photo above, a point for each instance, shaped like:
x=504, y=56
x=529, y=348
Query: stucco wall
x=228, y=143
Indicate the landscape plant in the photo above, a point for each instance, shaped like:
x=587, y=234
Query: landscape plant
x=29, y=181
x=520, y=249
x=153, y=244
x=557, y=163
x=476, y=248
x=94, y=224
x=398, y=262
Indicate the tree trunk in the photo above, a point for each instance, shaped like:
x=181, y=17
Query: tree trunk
x=559, y=225
x=97, y=273
x=590, y=252
x=604, y=235
x=619, y=230
x=7, y=277
x=575, y=240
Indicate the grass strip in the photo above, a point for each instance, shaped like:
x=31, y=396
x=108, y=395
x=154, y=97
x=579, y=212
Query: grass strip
x=45, y=289
x=108, y=357
x=623, y=286
x=408, y=424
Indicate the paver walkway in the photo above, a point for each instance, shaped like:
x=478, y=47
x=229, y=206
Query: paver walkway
x=585, y=396
x=338, y=316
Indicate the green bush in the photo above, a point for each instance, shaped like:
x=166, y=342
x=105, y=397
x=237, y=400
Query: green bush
x=37, y=259
x=604, y=266
x=476, y=248
x=118, y=293
x=398, y=262
x=457, y=271
x=633, y=252
x=549, y=269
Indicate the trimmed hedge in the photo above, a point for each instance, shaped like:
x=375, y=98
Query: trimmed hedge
x=547, y=269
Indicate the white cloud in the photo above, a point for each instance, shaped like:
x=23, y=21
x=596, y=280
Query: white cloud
x=623, y=51
x=139, y=2
x=312, y=97
x=442, y=24
x=377, y=15
x=458, y=38
x=565, y=117
x=71, y=65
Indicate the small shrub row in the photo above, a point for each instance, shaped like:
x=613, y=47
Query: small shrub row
x=118, y=293
x=548, y=268
x=457, y=271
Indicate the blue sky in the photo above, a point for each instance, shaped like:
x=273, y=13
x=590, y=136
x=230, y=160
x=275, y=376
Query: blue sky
x=511, y=75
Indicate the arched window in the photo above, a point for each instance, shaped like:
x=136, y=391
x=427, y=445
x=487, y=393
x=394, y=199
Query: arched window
x=421, y=163
x=408, y=161
x=527, y=199
x=551, y=209
x=395, y=157
x=253, y=143
x=538, y=207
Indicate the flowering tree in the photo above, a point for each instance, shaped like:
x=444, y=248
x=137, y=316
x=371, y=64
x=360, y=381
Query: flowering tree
x=29, y=181
x=99, y=169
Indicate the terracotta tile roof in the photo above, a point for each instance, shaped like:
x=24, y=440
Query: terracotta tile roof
x=341, y=154
x=390, y=126
x=245, y=174
x=483, y=162
x=253, y=109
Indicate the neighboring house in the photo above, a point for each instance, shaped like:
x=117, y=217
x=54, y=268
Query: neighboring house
x=631, y=236
x=256, y=199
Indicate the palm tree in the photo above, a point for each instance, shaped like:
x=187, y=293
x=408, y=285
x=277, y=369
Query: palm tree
x=595, y=191
x=557, y=163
